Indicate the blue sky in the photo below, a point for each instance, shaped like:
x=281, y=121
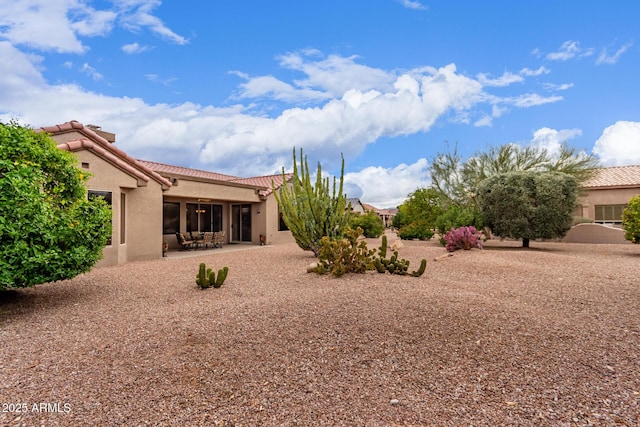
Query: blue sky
x=232, y=86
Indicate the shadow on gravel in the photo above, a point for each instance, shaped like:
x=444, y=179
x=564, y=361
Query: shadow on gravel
x=50, y=296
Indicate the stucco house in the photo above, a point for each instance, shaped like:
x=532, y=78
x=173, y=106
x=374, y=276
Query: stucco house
x=152, y=201
x=605, y=196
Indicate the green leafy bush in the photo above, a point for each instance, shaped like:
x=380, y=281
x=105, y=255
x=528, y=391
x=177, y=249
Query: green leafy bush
x=49, y=230
x=370, y=223
x=416, y=230
x=631, y=220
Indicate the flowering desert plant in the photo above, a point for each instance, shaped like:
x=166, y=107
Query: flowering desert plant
x=463, y=238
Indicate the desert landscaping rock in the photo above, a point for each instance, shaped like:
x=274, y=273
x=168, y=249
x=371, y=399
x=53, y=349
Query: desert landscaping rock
x=546, y=336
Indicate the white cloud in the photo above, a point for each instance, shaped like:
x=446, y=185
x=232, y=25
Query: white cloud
x=568, y=50
x=606, y=58
x=271, y=87
x=557, y=87
x=527, y=72
x=243, y=139
x=505, y=80
x=619, y=144
x=91, y=72
x=484, y=121
x=136, y=15
x=133, y=48
x=412, y=4
x=389, y=187
x=335, y=74
x=531, y=100
x=49, y=25
x=552, y=140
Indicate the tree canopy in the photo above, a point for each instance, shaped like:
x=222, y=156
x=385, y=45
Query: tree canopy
x=312, y=211
x=49, y=230
x=457, y=180
x=528, y=205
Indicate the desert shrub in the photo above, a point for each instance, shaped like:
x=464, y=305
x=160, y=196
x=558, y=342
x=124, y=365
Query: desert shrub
x=456, y=216
x=463, y=238
x=370, y=223
x=416, y=230
x=631, y=220
x=399, y=220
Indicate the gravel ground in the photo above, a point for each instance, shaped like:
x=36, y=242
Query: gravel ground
x=546, y=336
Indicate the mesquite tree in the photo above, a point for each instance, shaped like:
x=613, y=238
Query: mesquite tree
x=310, y=210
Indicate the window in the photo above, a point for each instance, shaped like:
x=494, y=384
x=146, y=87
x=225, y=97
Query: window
x=611, y=214
x=204, y=217
x=170, y=217
x=282, y=226
x=106, y=195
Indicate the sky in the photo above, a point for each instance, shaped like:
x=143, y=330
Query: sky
x=235, y=86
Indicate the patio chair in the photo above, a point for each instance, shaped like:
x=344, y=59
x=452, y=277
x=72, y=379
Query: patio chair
x=207, y=239
x=184, y=242
x=218, y=239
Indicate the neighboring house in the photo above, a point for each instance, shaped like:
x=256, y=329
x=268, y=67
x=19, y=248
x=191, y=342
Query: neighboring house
x=356, y=205
x=386, y=215
x=152, y=201
x=605, y=196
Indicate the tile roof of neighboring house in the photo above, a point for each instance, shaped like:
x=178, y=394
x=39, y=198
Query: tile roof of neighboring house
x=98, y=144
x=615, y=177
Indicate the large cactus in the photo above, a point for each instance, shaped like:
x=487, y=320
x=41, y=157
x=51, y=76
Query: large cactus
x=312, y=211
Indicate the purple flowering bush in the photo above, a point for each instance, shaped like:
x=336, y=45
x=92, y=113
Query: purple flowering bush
x=463, y=238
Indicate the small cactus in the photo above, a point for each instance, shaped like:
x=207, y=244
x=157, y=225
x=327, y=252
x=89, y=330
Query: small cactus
x=420, y=270
x=206, y=277
x=222, y=275
x=383, y=247
x=201, y=278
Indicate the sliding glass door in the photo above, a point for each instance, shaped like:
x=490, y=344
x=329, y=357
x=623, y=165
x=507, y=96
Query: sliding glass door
x=204, y=217
x=241, y=223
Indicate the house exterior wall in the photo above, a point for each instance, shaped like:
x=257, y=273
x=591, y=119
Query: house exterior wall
x=215, y=191
x=143, y=211
x=606, y=196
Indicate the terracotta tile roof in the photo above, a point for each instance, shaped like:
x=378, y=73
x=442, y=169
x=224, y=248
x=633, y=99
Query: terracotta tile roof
x=265, y=181
x=144, y=170
x=105, y=149
x=615, y=177
x=163, y=168
x=262, y=182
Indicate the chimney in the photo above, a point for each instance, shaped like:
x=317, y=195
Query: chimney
x=111, y=137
